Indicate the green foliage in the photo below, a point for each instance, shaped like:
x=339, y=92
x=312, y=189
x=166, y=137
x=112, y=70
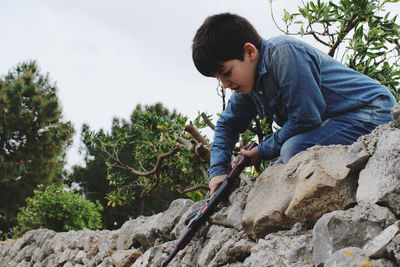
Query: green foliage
x=136, y=145
x=33, y=139
x=369, y=37
x=59, y=209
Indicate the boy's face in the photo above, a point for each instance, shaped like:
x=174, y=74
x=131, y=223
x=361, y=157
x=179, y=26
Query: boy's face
x=239, y=75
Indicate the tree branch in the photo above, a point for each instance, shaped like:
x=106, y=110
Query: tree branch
x=207, y=121
x=350, y=25
x=196, y=134
x=196, y=148
x=157, y=166
x=193, y=188
x=154, y=186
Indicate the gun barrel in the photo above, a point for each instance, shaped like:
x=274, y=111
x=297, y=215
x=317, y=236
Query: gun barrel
x=208, y=209
x=170, y=257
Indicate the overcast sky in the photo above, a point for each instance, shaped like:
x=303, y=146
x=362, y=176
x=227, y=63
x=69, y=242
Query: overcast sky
x=108, y=56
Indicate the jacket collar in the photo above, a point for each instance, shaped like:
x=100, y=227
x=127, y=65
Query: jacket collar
x=261, y=64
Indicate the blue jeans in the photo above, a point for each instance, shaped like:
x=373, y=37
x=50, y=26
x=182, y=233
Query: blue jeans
x=341, y=130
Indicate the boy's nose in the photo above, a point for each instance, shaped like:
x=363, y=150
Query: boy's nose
x=225, y=83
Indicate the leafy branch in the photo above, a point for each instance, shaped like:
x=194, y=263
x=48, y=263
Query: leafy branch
x=370, y=41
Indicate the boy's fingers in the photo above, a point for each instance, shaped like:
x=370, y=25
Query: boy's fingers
x=215, y=182
x=249, y=153
x=252, y=154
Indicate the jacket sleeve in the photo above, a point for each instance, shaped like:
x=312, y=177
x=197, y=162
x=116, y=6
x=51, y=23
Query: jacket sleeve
x=296, y=72
x=235, y=119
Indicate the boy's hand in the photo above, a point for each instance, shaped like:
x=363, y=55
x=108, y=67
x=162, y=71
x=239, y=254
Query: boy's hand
x=215, y=182
x=253, y=155
x=254, y=161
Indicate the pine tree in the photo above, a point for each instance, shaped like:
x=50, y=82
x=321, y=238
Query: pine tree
x=33, y=139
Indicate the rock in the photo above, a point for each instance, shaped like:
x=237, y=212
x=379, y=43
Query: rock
x=282, y=211
x=61, y=241
x=376, y=247
x=354, y=257
x=357, y=156
x=125, y=258
x=396, y=115
x=285, y=248
x=217, y=236
x=138, y=233
x=156, y=255
x=349, y=228
x=80, y=256
x=324, y=184
x=310, y=184
x=169, y=218
x=267, y=202
x=235, y=250
x=231, y=212
x=393, y=249
x=180, y=226
x=107, y=241
x=379, y=181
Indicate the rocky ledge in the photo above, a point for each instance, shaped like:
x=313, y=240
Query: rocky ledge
x=329, y=206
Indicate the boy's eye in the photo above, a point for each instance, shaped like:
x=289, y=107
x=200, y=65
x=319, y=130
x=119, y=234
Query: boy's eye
x=227, y=73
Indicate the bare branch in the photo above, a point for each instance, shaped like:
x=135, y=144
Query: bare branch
x=197, y=148
x=207, y=121
x=196, y=134
x=273, y=19
x=154, y=186
x=157, y=166
x=204, y=171
x=189, y=145
x=193, y=188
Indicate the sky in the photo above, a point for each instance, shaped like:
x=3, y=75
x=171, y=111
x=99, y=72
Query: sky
x=108, y=56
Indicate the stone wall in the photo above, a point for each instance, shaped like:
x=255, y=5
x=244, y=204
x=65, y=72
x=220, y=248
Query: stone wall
x=329, y=206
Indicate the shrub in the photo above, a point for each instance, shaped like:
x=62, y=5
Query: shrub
x=58, y=208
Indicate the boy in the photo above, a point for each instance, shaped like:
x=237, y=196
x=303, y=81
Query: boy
x=315, y=99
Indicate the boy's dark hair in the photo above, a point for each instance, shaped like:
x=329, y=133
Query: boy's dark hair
x=221, y=38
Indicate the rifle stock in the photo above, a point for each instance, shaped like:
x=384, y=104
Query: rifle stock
x=208, y=209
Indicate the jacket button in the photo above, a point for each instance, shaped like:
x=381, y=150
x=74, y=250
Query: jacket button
x=260, y=92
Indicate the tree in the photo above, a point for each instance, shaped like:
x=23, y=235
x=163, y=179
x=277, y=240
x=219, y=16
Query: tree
x=93, y=184
x=368, y=37
x=142, y=162
x=33, y=139
x=58, y=208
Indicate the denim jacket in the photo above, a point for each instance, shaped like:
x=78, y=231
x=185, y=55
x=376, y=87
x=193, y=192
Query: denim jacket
x=297, y=86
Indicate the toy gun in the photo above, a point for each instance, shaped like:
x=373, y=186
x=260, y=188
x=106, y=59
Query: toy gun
x=198, y=218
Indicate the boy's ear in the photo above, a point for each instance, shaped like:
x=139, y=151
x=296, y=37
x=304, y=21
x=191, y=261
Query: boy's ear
x=250, y=50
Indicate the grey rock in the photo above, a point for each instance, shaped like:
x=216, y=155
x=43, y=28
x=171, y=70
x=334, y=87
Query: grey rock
x=289, y=196
x=107, y=241
x=80, y=256
x=355, y=257
x=231, y=212
x=284, y=248
x=310, y=184
x=393, y=249
x=233, y=251
x=349, y=228
x=357, y=156
x=139, y=232
x=216, y=236
x=168, y=220
x=156, y=255
x=396, y=115
x=125, y=258
x=267, y=202
x=379, y=182
x=377, y=247
x=68, y=264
